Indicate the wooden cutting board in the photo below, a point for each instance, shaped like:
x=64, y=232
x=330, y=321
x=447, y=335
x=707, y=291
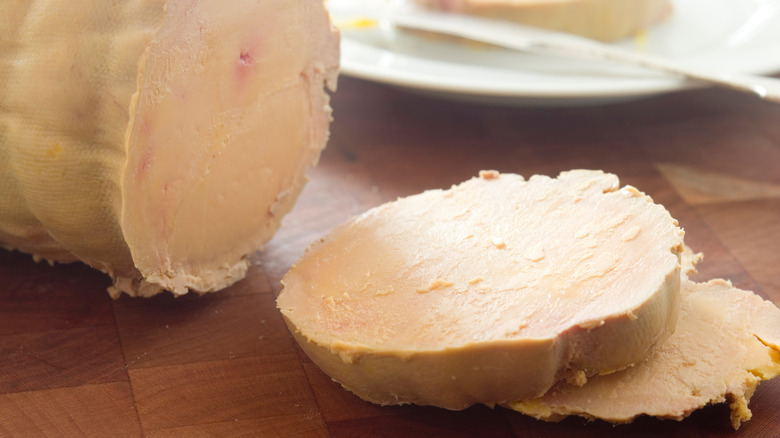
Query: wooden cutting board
x=75, y=363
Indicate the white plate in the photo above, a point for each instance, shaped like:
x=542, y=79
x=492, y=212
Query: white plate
x=729, y=35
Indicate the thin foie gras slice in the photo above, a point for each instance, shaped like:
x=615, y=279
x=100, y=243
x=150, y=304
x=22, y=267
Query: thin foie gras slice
x=727, y=341
x=490, y=291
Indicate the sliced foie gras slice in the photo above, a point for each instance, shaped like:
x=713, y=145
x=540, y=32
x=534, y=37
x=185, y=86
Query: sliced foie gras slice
x=496, y=287
x=727, y=341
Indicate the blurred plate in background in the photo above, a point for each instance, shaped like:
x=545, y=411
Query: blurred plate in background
x=729, y=35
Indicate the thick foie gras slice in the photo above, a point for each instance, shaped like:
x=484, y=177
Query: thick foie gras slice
x=496, y=287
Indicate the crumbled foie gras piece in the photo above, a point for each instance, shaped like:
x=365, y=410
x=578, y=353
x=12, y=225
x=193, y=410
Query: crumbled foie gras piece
x=497, y=287
x=727, y=341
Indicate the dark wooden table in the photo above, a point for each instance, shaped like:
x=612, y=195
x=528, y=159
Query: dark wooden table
x=73, y=362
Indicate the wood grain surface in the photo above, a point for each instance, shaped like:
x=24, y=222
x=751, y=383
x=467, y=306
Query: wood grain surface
x=73, y=362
